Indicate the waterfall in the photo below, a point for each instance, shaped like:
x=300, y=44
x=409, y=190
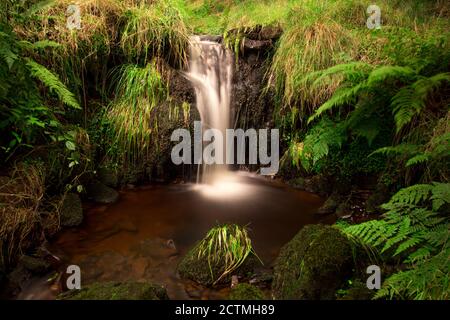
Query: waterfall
x=210, y=72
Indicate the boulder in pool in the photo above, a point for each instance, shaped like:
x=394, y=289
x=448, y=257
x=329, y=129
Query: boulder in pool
x=313, y=265
x=101, y=193
x=71, y=213
x=212, y=261
x=117, y=291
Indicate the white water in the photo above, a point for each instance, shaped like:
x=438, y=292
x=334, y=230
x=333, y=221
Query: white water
x=210, y=72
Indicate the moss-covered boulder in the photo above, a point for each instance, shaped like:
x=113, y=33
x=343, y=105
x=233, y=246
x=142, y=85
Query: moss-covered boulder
x=245, y=291
x=313, y=265
x=101, y=193
x=117, y=291
x=71, y=213
x=210, y=268
x=36, y=265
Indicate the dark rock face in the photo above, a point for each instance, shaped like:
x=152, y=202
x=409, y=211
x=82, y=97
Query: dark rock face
x=118, y=291
x=313, y=265
x=71, y=213
x=244, y=291
x=101, y=193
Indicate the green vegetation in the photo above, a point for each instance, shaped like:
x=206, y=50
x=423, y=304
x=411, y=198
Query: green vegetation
x=224, y=251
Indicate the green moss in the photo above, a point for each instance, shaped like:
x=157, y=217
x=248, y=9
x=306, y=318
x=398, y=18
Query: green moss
x=313, y=265
x=244, y=291
x=117, y=291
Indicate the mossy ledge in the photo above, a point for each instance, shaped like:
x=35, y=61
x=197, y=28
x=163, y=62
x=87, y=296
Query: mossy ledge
x=313, y=265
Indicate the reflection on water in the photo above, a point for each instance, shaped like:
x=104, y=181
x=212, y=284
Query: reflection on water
x=143, y=236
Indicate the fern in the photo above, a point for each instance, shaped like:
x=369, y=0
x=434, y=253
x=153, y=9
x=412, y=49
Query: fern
x=415, y=227
x=411, y=100
x=52, y=81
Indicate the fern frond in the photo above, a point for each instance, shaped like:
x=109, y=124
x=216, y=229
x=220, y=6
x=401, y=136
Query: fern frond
x=52, y=81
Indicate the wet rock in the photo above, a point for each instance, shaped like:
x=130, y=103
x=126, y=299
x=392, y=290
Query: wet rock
x=377, y=198
x=71, y=213
x=245, y=291
x=117, y=291
x=330, y=205
x=344, y=210
x=257, y=44
x=316, y=184
x=358, y=291
x=212, y=38
x=35, y=265
x=108, y=177
x=101, y=193
x=313, y=265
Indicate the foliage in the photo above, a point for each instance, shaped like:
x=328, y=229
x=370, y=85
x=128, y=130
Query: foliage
x=229, y=245
x=415, y=228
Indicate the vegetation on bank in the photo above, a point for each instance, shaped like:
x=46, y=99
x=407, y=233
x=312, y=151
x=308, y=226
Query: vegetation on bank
x=350, y=102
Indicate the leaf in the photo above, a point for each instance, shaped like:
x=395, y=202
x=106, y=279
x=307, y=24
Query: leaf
x=70, y=145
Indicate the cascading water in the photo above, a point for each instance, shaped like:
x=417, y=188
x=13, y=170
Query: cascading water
x=210, y=72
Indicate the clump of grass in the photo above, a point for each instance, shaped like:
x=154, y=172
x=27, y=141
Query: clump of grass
x=21, y=195
x=229, y=245
x=156, y=30
x=132, y=114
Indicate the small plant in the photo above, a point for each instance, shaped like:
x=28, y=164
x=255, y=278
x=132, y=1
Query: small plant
x=229, y=245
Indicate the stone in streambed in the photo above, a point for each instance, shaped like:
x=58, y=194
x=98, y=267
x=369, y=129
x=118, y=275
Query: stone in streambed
x=71, y=213
x=245, y=291
x=313, y=265
x=35, y=265
x=101, y=193
x=117, y=291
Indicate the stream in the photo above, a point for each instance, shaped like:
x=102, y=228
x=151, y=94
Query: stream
x=144, y=235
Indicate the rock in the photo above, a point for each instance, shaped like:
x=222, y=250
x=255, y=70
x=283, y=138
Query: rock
x=358, y=291
x=197, y=268
x=101, y=193
x=71, y=213
x=212, y=38
x=316, y=184
x=343, y=210
x=245, y=291
x=35, y=265
x=108, y=177
x=117, y=291
x=377, y=198
x=257, y=44
x=313, y=265
x=330, y=205
x=270, y=33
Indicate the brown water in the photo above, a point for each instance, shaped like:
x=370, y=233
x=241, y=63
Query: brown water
x=144, y=235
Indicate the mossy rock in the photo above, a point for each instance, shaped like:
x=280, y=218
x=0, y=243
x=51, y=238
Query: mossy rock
x=35, y=265
x=71, y=213
x=313, y=265
x=358, y=291
x=117, y=291
x=101, y=193
x=197, y=269
x=245, y=291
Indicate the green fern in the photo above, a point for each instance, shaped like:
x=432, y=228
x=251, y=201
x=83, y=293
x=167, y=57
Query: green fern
x=411, y=100
x=415, y=227
x=52, y=81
